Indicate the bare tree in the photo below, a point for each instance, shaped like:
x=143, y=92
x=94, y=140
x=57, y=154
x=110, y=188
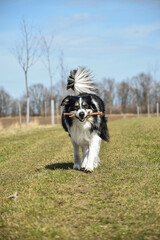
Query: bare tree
x=48, y=50
x=123, y=89
x=26, y=52
x=5, y=102
x=156, y=92
x=136, y=90
x=38, y=96
x=141, y=86
x=63, y=78
x=107, y=92
x=14, y=107
x=110, y=84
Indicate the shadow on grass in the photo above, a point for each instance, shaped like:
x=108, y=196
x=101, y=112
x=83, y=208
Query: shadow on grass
x=55, y=166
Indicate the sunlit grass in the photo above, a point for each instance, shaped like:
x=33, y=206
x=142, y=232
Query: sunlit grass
x=119, y=200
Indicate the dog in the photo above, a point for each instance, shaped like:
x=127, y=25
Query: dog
x=86, y=132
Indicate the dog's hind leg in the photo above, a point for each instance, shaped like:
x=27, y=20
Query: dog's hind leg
x=77, y=159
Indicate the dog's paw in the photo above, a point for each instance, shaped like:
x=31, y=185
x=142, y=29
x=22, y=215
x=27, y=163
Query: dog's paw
x=88, y=170
x=83, y=166
x=76, y=166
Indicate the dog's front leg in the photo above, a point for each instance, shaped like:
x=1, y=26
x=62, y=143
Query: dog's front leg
x=85, y=157
x=77, y=159
x=93, y=156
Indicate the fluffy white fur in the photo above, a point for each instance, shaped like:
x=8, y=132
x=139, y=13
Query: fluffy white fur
x=83, y=82
x=89, y=143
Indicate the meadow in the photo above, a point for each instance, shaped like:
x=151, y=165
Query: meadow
x=119, y=200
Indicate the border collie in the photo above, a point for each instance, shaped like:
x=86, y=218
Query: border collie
x=86, y=132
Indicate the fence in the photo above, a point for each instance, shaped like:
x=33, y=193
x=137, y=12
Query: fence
x=149, y=110
x=55, y=117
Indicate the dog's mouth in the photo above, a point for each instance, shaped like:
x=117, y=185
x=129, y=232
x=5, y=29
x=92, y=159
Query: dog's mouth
x=81, y=115
x=82, y=119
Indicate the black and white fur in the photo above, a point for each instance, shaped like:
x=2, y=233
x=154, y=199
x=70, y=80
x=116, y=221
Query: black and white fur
x=85, y=132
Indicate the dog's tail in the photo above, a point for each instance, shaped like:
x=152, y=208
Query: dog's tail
x=80, y=81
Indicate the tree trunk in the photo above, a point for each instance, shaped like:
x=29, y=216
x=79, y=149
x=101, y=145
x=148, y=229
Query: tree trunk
x=27, y=91
x=157, y=107
x=27, y=114
x=110, y=103
x=26, y=81
x=52, y=111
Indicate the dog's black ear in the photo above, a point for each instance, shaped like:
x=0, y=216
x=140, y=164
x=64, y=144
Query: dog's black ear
x=66, y=100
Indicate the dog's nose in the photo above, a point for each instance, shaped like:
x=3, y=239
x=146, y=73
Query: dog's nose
x=81, y=114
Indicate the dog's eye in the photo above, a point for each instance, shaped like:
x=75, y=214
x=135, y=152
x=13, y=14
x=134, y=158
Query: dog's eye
x=76, y=107
x=85, y=105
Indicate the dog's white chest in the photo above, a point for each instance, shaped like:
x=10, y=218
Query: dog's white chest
x=80, y=132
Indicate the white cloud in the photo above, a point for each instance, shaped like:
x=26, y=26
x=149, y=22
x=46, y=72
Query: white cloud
x=124, y=40
x=63, y=22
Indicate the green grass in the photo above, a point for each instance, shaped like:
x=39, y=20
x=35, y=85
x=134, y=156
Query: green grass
x=119, y=200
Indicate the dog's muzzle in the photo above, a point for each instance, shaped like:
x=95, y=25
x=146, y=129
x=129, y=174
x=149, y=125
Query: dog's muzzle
x=81, y=114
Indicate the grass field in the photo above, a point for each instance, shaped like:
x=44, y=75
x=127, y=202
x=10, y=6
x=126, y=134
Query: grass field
x=119, y=200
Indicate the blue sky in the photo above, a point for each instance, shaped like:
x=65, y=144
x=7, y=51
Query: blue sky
x=117, y=39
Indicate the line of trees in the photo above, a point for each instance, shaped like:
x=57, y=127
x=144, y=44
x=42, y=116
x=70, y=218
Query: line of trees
x=122, y=97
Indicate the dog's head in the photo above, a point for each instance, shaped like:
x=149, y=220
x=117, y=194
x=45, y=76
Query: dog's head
x=80, y=105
